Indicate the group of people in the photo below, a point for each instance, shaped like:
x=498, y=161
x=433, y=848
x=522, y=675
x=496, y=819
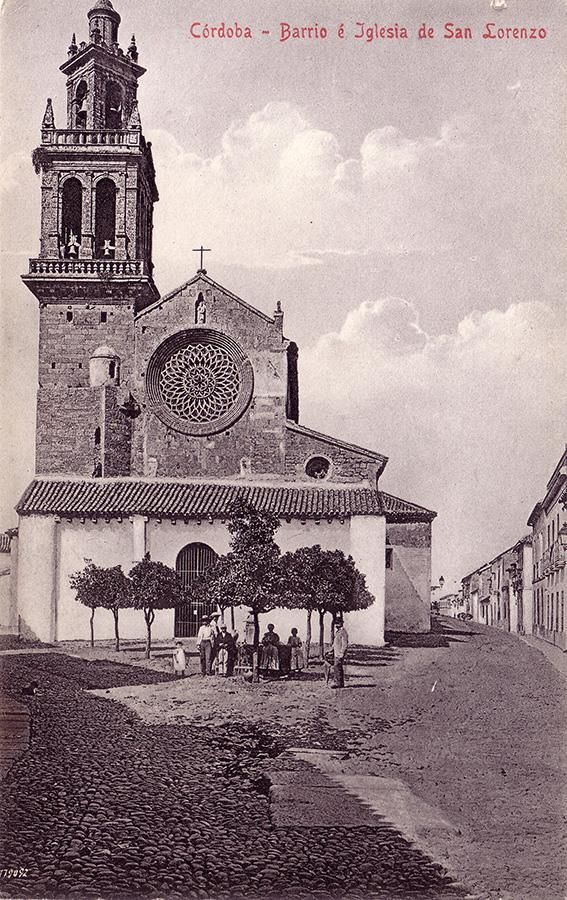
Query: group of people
x=278, y=658
x=219, y=651
x=216, y=646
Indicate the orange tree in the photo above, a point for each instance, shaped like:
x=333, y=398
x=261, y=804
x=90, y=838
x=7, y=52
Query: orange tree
x=154, y=586
x=323, y=581
x=250, y=575
x=108, y=588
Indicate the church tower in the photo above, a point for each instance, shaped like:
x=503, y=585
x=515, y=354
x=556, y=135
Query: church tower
x=94, y=269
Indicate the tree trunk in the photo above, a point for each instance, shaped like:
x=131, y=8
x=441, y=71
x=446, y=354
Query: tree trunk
x=232, y=618
x=308, y=638
x=149, y=616
x=333, y=621
x=255, y=670
x=92, y=625
x=321, y=634
x=116, y=633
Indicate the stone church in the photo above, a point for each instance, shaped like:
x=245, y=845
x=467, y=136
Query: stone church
x=154, y=413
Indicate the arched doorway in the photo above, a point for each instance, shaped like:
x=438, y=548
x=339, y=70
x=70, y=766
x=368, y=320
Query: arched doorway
x=192, y=561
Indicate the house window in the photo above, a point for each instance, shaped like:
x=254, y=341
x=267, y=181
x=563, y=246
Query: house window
x=97, y=437
x=69, y=316
x=389, y=557
x=103, y=316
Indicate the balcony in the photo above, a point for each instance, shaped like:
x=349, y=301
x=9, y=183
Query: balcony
x=558, y=554
x=80, y=137
x=90, y=268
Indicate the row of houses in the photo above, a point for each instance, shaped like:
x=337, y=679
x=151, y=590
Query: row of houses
x=523, y=588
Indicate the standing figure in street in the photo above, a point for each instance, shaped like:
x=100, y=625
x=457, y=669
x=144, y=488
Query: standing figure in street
x=179, y=660
x=205, y=644
x=226, y=652
x=340, y=646
x=270, y=661
x=294, y=641
x=214, y=623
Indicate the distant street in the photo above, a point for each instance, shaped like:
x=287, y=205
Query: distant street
x=444, y=755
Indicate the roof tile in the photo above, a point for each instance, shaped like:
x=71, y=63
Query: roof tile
x=196, y=499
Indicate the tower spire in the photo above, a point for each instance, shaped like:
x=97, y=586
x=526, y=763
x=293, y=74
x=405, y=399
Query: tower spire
x=48, y=117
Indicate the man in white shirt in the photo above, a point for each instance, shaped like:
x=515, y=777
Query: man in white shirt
x=205, y=644
x=340, y=646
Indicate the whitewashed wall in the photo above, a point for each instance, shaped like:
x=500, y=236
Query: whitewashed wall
x=50, y=551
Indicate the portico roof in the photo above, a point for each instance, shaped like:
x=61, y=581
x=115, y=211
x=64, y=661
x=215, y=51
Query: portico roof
x=195, y=500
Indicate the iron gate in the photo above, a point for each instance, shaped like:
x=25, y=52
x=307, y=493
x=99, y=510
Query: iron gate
x=191, y=562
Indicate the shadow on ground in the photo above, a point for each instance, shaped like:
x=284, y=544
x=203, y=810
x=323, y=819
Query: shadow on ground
x=359, y=655
x=442, y=634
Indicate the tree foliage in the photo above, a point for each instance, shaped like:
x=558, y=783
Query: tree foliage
x=108, y=588
x=250, y=574
x=154, y=586
x=325, y=581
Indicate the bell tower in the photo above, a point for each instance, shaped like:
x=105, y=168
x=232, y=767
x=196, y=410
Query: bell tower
x=97, y=174
x=94, y=268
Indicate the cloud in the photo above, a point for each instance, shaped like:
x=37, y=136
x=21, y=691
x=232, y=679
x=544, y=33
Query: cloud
x=280, y=191
x=457, y=413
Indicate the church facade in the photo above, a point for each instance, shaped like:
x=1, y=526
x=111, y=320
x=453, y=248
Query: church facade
x=154, y=413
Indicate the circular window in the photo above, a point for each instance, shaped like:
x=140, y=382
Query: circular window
x=317, y=467
x=199, y=381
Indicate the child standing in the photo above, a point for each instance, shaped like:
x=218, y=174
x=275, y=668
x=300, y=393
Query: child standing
x=179, y=660
x=294, y=642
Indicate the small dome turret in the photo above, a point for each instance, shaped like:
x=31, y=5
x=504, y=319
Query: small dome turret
x=103, y=23
x=104, y=367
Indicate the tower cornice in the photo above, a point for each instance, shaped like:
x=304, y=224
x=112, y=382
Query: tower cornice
x=115, y=61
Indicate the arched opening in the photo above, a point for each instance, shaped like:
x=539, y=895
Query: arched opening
x=72, y=203
x=192, y=561
x=292, y=399
x=105, y=219
x=317, y=467
x=81, y=105
x=113, y=106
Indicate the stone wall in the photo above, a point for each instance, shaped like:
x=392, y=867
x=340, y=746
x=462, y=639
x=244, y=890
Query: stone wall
x=346, y=465
x=68, y=409
x=254, y=444
x=116, y=434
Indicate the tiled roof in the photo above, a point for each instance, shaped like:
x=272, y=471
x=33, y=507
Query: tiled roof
x=5, y=542
x=191, y=500
x=398, y=510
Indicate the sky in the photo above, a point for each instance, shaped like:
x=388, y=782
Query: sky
x=404, y=199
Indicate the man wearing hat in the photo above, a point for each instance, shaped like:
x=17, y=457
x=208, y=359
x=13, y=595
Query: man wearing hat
x=205, y=644
x=226, y=652
x=340, y=646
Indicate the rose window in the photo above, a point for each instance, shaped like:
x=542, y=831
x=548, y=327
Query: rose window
x=199, y=381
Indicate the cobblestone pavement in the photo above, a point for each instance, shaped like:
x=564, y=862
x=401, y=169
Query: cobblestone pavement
x=104, y=805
